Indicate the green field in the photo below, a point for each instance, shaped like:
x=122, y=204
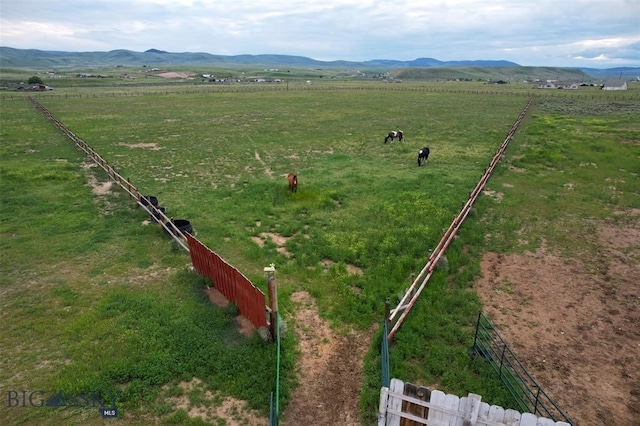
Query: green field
x=91, y=299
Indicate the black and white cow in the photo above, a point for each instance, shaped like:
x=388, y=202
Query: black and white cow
x=395, y=134
x=423, y=155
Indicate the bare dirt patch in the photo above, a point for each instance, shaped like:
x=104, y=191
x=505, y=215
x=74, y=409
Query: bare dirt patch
x=172, y=74
x=316, y=151
x=146, y=145
x=575, y=325
x=497, y=196
x=330, y=370
x=267, y=170
x=99, y=188
x=517, y=169
x=277, y=239
x=216, y=297
x=351, y=269
x=213, y=407
x=330, y=374
x=243, y=325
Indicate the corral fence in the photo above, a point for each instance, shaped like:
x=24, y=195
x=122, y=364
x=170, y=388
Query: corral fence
x=410, y=297
x=226, y=279
x=404, y=404
x=119, y=180
x=487, y=343
x=490, y=346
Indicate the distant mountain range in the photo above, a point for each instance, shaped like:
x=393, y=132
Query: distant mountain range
x=20, y=58
x=41, y=59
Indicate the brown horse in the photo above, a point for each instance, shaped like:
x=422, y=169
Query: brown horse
x=293, y=182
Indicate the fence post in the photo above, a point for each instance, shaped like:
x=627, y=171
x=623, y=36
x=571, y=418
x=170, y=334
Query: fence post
x=475, y=338
x=412, y=279
x=504, y=348
x=129, y=187
x=384, y=347
x=270, y=273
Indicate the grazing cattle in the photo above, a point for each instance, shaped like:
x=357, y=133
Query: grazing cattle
x=395, y=134
x=423, y=155
x=293, y=182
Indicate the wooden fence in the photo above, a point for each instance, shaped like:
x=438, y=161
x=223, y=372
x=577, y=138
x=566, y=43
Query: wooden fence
x=451, y=410
x=405, y=404
x=116, y=177
x=229, y=281
x=411, y=295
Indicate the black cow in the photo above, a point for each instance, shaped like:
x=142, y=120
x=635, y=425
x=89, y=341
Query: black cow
x=423, y=155
x=395, y=134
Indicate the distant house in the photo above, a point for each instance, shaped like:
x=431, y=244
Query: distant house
x=547, y=85
x=558, y=85
x=615, y=85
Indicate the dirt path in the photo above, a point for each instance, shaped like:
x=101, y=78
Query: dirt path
x=330, y=371
x=575, y=326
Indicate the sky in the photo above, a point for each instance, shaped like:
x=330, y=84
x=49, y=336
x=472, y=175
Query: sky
x=561, y=33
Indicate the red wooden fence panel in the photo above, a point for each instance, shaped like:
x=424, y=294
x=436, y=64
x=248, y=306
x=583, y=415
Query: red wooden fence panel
x=233, y=285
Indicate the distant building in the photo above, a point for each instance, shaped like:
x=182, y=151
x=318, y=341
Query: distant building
x=558, y=85
x=615, y=85
x=39, y=88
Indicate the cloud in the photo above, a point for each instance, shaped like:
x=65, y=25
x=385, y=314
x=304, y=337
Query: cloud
x=609, y=51
x=540, y=33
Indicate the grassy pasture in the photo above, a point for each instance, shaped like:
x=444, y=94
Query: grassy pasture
x=91, y=299
x=130, y=76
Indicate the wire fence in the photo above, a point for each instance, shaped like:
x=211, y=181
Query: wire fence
x=274, y=405
x=384, y=354
x=528, y=394
x=205, y=89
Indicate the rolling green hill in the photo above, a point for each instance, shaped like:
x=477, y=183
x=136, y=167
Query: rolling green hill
x=418, y=69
